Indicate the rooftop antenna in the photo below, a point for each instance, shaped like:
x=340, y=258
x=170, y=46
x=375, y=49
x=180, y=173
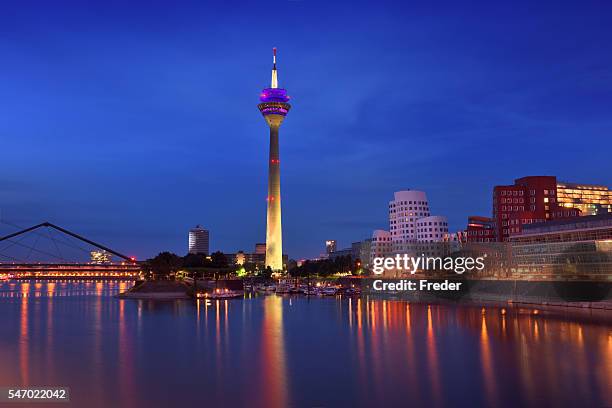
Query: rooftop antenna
x=274, y=73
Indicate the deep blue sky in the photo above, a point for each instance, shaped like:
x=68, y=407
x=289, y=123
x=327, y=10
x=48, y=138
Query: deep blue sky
x=132, y=123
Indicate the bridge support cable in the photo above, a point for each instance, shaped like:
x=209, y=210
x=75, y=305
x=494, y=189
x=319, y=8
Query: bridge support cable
x=12, y=258
x=36, y=250
x=30, y=252
x=60, y=238
x=62, y=241
x=12, y=243
x=55, y=243
x=67, y=232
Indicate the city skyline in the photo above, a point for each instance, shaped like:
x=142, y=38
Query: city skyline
x=111, y=126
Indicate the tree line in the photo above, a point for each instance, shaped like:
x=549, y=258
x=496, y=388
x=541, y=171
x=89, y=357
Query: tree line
x=327, y=267
x=167, y=264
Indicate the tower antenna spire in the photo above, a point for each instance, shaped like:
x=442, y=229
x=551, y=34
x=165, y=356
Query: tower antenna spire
x=274, y=83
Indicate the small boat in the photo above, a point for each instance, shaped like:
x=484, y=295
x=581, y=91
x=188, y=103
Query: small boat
x=222, y=294
x=283, y=289
x=266, y=288
x=308, y=290
x=352, y=292
x=328, y=291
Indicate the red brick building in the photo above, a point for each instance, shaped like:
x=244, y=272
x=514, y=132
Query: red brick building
x=529, y=200
x=480, y=229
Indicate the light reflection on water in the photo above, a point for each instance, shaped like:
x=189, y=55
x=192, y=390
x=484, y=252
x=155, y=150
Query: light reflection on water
x=273, y=351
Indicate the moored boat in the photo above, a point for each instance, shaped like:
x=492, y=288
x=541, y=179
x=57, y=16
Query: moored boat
x=222, y=294
x=328, y=291
x=265, y=288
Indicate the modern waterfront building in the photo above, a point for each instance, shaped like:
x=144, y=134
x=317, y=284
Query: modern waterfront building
x=570, y=249
x=459, y=237
x=529, y=200
x=589, y=228
x=590, y=199
x=536, y=199
x=381, y=244
x=198, y=240
x=404, y=210
x=480, y=229
x=410, y=221
x=412, y=228
x=431, y=229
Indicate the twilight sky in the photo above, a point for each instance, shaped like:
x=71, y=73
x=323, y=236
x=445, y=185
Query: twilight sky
x=132, y=123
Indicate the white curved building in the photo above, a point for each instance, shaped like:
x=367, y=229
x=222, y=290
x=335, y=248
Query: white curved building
x=431, y=229
x=405, y=209
x=412, y=228
x=381, y=244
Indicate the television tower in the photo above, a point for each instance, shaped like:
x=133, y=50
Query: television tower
x=274, y=108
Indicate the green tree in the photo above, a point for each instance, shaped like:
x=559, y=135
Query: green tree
x=250, y=267
x=267, y=273
x=165, y=264
x=219, y=260
x=193, y=261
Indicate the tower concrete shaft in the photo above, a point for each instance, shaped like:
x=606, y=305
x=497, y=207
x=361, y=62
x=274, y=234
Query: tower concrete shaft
x=274, y=108
x=274, y=231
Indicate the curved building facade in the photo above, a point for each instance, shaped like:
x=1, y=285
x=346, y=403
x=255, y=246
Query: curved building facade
x=431, y=229
x=381, y=245
x=405, y=209
x=412, y=228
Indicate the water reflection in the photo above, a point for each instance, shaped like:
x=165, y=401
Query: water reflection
x=273, y=351
x=273, y=358
x=23, y=335
x=432, y=363
x=488, y=371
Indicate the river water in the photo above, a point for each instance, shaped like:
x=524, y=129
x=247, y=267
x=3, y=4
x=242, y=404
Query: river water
x=272, y=351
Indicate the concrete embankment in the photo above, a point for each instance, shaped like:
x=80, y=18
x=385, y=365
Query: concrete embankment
x=575, y=294
x=157, y=290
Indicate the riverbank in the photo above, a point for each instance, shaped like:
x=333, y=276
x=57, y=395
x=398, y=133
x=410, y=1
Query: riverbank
x=157, y=290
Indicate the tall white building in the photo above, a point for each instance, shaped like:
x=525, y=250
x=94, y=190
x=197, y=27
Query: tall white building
x=410, y=221
x=404, y=210
x=411, y=227
x=198, y=241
